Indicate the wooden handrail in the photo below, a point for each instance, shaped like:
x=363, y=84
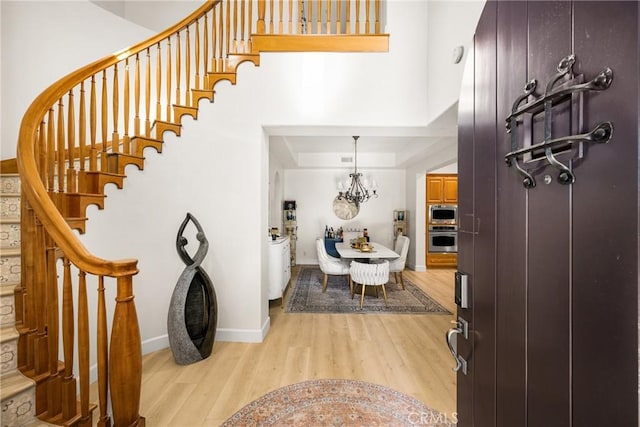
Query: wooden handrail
x=38, y=197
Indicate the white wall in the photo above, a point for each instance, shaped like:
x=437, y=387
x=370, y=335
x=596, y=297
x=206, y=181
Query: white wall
x=314, y=191
x=450, y=24
x=219, y=170
x=43, y=41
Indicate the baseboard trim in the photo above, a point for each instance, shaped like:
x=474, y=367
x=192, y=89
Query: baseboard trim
x=417, y=267
x=244, y=335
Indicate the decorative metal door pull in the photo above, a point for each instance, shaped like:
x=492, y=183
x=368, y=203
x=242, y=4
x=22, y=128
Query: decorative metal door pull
x=555, y=94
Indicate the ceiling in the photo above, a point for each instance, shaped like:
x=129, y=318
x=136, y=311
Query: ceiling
x=378, y=147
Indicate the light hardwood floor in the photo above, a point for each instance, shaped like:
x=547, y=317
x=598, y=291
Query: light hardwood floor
x=405, y=352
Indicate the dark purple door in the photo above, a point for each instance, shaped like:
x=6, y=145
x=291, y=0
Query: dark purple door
x=553, y=269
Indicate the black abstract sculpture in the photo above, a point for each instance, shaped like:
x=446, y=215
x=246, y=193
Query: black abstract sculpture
x=193, y=311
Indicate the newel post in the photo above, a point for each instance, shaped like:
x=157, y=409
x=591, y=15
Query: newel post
x=125, y=358
x=261, y=12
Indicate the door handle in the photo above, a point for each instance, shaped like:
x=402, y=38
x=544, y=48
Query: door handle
x=461, y=328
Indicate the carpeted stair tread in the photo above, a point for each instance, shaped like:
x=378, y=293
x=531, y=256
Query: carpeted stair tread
x=8, y=333
x=7, y=289
x=14, y=383
x=7, y=252
x=9, y=220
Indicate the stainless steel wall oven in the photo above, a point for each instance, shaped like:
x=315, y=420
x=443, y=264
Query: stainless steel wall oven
x=443, y=238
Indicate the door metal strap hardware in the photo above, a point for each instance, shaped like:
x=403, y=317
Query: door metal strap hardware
x=569, y=89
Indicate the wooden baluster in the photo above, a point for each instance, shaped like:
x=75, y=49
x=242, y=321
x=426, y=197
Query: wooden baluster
x=197, y=55
x=61, y=147
x=228, y=29
x=71, y=145
x=243, y=42
x=338, y=17
x=54, y=384
x=126, y=139
x=367, y=18
x=103, y=357
x=377, y=16
x=41, y=361
x=319, y=17
x=358, y=16
x=235, y=26
x=41, y=151
x=250, y=27
x=158, y=82
x=187, y=69
x=261, y=11
x=300, y=16
x=104, y=123
x=214, y=40
x=82, y=129
x=51, y=150
x=125, y=356
x=147, y=94
x=328, y=17
x=205, y=53
x=271, y=7
x=28, y=245
x=348, y=17
x=93, y=162
x=221, y=52
x=168, y=79
x=68, y=381
x=290, y=26
x=136, y=97
x=178, y=70
x=83, y=350
x=115, y=136
x=280, y=11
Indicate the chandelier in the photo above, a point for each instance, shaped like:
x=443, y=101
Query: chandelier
x=355, y=190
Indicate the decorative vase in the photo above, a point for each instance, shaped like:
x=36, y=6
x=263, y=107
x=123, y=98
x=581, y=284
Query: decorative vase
x=193, y=311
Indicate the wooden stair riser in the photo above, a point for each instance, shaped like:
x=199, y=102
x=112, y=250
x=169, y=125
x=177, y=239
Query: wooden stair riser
x=76, y=204
x=117, y=162
x=182, y=110
x=215, y=77
x=198, y=94
x=94, y=182
x=235, y=59
x=139, y=143
x=162, y=126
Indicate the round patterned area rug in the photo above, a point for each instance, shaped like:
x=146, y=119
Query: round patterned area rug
x=338, y=403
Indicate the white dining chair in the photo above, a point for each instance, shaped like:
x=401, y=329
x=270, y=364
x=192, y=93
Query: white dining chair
x=330, y=265
x=396, y=266
x=371, y=274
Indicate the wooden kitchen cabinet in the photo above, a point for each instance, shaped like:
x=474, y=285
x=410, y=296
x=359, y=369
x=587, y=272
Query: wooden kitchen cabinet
x=442, y=189
x=450, y=189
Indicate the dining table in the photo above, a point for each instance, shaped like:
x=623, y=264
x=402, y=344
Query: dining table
x=378, y=251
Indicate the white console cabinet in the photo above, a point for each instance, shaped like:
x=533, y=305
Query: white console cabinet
x=279, y=267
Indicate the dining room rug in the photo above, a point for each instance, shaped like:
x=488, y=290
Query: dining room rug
x=307, y=297
x=338, y=402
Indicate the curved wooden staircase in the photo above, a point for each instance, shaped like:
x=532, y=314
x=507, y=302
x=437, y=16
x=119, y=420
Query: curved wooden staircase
x=80, y=134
